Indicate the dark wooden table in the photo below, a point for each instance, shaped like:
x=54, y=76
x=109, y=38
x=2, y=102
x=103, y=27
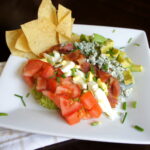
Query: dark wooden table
x=119, y=13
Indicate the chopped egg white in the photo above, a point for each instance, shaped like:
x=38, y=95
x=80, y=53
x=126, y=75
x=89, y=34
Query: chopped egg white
x=102, y=99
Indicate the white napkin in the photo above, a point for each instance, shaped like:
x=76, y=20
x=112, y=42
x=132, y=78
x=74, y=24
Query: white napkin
x=17, y=140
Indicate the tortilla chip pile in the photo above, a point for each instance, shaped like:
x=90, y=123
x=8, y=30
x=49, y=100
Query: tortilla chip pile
x=52, y=27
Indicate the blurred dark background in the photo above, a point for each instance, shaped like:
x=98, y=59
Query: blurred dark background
x=120, y=13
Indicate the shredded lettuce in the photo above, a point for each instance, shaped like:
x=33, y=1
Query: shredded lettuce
x=43, y=100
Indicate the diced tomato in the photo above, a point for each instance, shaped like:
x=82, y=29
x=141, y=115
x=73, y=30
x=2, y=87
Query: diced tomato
x=104, y=76
x=112, y=100
x=115, y=87
x=85, y=67
x=32, y=67
x=84, y=114
x=29, y=81
x=66, y=81
x=68, y=106
x=51, y=84
x=41, y=84
x=48, y=71
x=88, y=100
x=96, y=111
x=59, y=72
x=72, y=118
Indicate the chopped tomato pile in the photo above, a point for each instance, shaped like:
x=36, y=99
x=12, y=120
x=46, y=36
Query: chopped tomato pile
x=73, y=104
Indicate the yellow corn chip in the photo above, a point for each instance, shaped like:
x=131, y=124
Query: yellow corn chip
x=40, y=34
x=11, y=38
x=47, y=10
x=63, y=39
x=62, y=12
x=22, y=44
x=65, y=26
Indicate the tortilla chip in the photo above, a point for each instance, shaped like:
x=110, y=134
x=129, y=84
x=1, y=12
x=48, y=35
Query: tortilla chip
x=65, y=26
x=62, y=12
x=40, y=34
x=47, y=10
x=22, y=44
x=11, y=38
x=63, y=39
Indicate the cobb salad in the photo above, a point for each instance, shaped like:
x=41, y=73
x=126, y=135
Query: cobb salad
x=81, y=79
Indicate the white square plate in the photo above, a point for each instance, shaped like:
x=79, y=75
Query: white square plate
x=36, y=119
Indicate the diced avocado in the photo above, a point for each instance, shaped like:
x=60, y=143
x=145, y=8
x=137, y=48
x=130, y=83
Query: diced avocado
x=98, y=38
x=107, y=45
x=102, y=85
x=128, y=78
x=75, y=37
x=90, y=76
x=113, y=52
x=136, y=68
x=84, y=37
x=129, y=60
x=124, y=61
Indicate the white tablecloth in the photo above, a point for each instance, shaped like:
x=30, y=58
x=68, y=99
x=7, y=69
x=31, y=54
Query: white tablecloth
x=16, y=140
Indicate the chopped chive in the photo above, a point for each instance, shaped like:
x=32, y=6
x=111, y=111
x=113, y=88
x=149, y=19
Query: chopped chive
x=51, y=54
x=134, y=104
x=92, y=69
x=136, y=44
x=125, y=116
x=52, y=76
x=63, y=76
x=74, y=50
x=87, y=75
x=114, y=30
x=58, y=79
x=95, y=123
x=124, y=106
x=73, y=70
x=95, y=79
x=28, y=94
x=49, y=61
x=21, y=98
x=138, y=128
x=105, y=67
x=130, y=39
x=3, y=114
x=122, y=48
x=76, y=99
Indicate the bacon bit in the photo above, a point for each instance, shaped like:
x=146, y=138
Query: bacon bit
x=73, y=56
x=112, y=100
x=104, y=76
x=85, y=67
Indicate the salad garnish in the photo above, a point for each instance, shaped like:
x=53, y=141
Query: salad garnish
x=138, y=128
x=3, y=114
x=21, y=98
x=124, y=117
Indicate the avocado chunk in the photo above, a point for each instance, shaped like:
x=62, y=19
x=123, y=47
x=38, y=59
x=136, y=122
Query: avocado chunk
x=136, y=68
x=75, y=37
x=84, y=37
x=102, y=85
x=90, y=76
x=98, y=38
x=108, y=44
x=128, y=77
x=113, y=52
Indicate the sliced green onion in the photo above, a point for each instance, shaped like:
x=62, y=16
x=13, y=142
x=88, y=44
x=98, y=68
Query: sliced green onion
x=134, y=104
x=21, y=98
x=124, y=118
x=92, y=69
x=3, y=114
x=114, y=30
x=87, y=75
x=136, y=44
x=49, y=61
x=124, y=106
x=122, y=47
x=52, y=76
x=95, y=79
x=138, y=128
x=58, y=79
x=105, y=67
x=51, y=54
x=95, y=123
x=63, y=76
x=28, y=94
x=73, y=70
x=130, y=39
